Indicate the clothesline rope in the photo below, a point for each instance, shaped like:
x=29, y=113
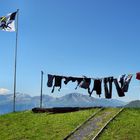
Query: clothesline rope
x=94, y=78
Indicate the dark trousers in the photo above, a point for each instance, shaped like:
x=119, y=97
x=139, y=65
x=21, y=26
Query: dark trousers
x=118, y=88
x=108, y=89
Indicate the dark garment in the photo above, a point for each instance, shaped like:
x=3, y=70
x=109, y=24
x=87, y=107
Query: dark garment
x=57, y=83
x=79, y=80
x=85, y=83
x=97, y=86
x=138, y=76
x=108, y=87
x=73, y=79
x=50, y=80
x=68, y=79
x=127, y=82
x=121, y=80
x=118, y=88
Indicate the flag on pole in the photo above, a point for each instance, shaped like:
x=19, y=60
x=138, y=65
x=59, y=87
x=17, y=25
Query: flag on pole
x=7, y=23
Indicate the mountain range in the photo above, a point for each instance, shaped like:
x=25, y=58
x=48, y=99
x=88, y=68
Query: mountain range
x=133, y=104
x=27, y=102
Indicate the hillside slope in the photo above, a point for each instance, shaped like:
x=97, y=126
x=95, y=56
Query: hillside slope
x=30, y=126
x=124, y=127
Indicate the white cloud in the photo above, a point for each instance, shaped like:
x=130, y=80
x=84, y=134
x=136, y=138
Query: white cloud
x=3, y=90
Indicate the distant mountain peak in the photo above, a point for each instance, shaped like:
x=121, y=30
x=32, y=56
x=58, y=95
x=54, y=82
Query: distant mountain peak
x=25, y=101
x=133, y=104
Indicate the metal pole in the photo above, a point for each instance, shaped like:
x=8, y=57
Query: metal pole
x=15, y=65
x=41, y=89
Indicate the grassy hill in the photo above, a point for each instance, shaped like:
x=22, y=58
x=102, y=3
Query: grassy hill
x=30, y=126
x=125, y=127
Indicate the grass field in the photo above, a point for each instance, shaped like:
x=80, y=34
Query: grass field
x=30, y=126
x=125, y=127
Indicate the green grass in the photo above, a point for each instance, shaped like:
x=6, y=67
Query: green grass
x=30, y=126
x=125, y=127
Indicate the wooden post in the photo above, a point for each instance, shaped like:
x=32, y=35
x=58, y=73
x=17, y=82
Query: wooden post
x=41, y=89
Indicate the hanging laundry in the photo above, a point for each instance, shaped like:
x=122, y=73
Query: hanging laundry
x=138, y=75
x=50, y=80
x=122, y=83
x=57, y=83
x=85, y=83
x=79, y=80
x=118, y=88
x=108, y=87
x=68, y=79
x=73, y=79
x=97, y=86
x=121, y=80
x=126, y=82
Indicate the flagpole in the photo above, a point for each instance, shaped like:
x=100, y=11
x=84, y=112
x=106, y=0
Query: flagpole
x=15, y=65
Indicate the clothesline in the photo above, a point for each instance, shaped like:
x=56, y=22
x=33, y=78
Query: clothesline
x=94, y=78
x=121, y=83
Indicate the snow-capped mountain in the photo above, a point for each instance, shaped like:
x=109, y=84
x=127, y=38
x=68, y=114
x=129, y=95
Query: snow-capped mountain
x=26, y=102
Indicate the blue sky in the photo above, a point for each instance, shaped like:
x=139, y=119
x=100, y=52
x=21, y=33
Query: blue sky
x=95, y=38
